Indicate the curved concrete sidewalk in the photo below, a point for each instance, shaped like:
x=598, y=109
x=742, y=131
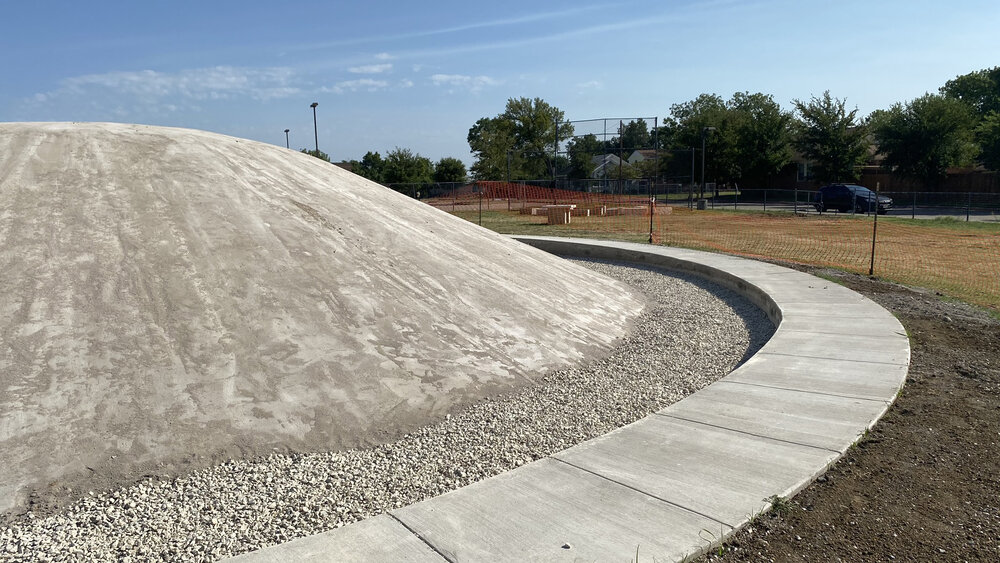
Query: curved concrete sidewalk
x=680, y=480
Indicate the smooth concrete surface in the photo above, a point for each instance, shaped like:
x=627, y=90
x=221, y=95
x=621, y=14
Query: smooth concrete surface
x=380, y=538
x=800, y=417
x=720, y=473
x=170, y=298
x=552, y=511
x=678, y=481
x=844, y=378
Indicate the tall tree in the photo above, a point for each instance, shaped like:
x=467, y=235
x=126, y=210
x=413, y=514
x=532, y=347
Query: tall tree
x=581, y=151
x=988, y=136
x=402, y=166
x=631, y=136
x=831, y=138
x=372, y=167
x=492, y=142
x=763, y=137
x=705, y=115
x=924, y=137
x=525, y=135
x=980, y=91
x=449, y=169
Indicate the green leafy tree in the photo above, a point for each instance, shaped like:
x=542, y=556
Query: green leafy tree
x=705, y=115
x=449, y=169
x=491, y=140
x=371, y=166
x=631, y=136
x=402, y=166
x=987, y=135
x=831, y=138
x=980, y=91
x=762, y=133
x=922, y=138
x=746, y=139
x=538, y=127
x=318, y=154
x=582, y=151
x=522, y=138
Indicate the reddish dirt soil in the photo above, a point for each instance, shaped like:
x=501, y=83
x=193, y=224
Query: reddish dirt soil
x=924, y=484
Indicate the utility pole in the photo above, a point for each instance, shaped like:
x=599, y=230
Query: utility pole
x=316, y=129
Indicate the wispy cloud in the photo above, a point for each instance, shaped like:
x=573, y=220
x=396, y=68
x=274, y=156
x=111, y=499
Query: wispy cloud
x=371, y=69
x=383, y=57
x=606, y=28
x=501, y=22
x=461, y=81
x=591, y=85
x=368, y=84
x=214, y=83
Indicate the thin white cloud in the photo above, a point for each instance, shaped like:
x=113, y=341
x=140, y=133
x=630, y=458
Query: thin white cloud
x=461, y=81
x=214, y=83
x=591, y=85
x=371, y=69
x=502, y=22
x=383, y=57
x=368, y=84
x=406, y=83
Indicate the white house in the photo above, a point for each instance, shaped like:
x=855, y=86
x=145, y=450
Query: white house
x=641, y=155
x=606, y=165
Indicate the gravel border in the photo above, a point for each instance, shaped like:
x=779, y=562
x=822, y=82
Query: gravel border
x=693, y=333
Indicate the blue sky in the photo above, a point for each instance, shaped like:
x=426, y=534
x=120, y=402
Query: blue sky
x=419, y=74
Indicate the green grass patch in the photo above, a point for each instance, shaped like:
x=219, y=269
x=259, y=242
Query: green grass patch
x=950, y=223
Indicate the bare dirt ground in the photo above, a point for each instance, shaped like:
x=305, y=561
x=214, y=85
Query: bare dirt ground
x=924, y=484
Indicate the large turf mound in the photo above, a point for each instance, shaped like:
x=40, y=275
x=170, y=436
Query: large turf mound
x=169, y=296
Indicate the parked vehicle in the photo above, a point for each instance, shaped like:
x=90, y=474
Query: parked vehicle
x=848, y=197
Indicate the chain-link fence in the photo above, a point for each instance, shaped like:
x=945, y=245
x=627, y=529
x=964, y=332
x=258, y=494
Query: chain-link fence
x=958, y=252
x=914, y=205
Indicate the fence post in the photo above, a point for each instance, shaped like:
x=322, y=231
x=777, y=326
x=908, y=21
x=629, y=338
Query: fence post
x=913, y=208
x=765, y=200
x=652, y=210
x=968, y=208
x=795, y=205
x=871, y=266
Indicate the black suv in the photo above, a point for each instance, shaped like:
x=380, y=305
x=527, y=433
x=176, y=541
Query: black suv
x=849, y=197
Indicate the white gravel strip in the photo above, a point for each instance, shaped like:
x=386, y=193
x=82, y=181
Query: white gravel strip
x=693, y=334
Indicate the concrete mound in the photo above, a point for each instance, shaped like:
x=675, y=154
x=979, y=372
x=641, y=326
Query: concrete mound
x=171, y=297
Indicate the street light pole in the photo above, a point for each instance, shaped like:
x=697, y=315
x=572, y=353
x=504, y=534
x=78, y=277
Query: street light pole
x=704, y=131
x=286, y=139
x=315, y=130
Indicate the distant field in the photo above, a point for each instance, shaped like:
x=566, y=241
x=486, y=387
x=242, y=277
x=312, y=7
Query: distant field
x=957, y=258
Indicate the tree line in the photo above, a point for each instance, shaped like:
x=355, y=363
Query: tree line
x=403, y=166
x=750, y=139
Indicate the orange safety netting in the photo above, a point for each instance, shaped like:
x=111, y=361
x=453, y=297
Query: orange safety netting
x=959, y=259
